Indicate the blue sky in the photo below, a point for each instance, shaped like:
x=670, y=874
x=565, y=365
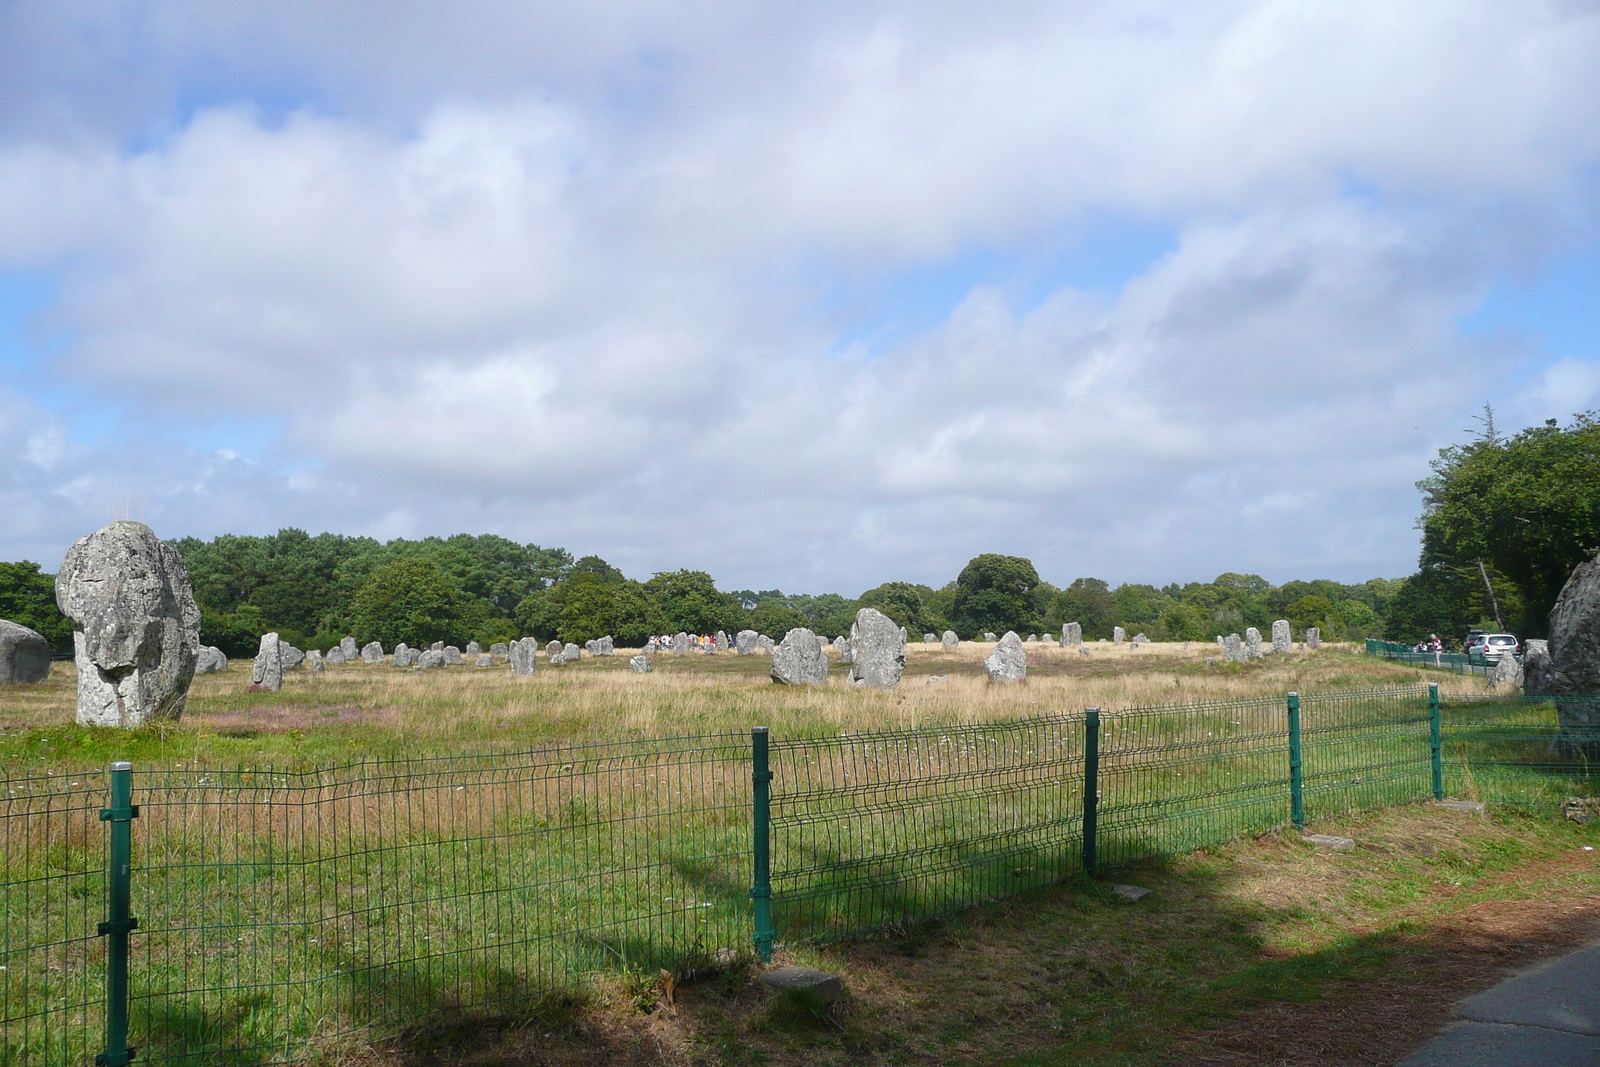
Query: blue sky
x=809, y=297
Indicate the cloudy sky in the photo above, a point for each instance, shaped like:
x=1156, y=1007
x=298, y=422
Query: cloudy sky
x=808, y=295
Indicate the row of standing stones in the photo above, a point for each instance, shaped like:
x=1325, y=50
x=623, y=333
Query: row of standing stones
x=136, y=640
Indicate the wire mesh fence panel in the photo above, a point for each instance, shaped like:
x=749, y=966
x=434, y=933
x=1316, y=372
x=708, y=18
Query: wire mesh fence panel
x=279, y=910
x=1529, y=750
x=1459, y=662
x=52, y=899
x=1365, y=749
x=1178, y=778
x=871, y=830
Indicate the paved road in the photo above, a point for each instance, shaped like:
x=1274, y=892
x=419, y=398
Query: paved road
x=1546, y=1017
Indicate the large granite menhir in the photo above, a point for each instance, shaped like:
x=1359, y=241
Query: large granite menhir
x=24, y=654
x=135, y=625
x=877, y=650
x=798, y=659
x=1009, y=660
x=1573, y=665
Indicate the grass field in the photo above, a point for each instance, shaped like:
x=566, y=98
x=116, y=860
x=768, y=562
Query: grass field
x=374, y=845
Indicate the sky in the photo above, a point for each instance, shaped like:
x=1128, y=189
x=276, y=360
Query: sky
x=811, y=297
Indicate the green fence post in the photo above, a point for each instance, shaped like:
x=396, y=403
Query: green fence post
x=119, y=923
x=1435, y=737
x=1297, y=807
x=1091, y=789
x=761, y=890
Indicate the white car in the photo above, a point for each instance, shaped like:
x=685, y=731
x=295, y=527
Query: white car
x=1492, y=646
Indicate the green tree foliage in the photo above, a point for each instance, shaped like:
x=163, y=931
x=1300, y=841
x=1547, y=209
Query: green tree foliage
x=904, y=603
x=775, y=618
x=994, y=593
x=411, y=600
x=28, y=597
x=1527, y=507
x=688, y=602
x=1087, y=602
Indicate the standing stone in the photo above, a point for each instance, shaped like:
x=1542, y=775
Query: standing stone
x=335, y=655
x=434, y=657
x=572, y=652
x=1535, y=665
x=1139, y=639
x=472, y=649
x=135, y=625
x=1506, y=677
x=290, y=656
x=1071, y=634
x=1009, y=660
x=765, y=644
x=1313, y=637
x=990, y=638
x=640, y=665
x=1252, y=643
x=842, y=645
x=552, y=648
x=720, y=642
x=500, y=649
x=1233, y=648
x=745, y=642
x=605, y=646
x=372, y=652
x=1118, y=635
x=485, y=660
x=437, y=646
x=524, y=656
x=452, y=654
x=680, y=644
x=877, y=650
x=268, y=670
x=1281, y=641
x=929, y=639
x=588, y=646
x=1573, y=666
x=798, y=659
x=314, y=661
x=1033, y=638
x=210, y=660
x=402, y=654
x=24, y=654
x=949, y=639
x=558, y=660
x=347, y=645
x=1220, y=641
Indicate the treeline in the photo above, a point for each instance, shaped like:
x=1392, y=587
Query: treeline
x=1504, y=521
x=315, y=590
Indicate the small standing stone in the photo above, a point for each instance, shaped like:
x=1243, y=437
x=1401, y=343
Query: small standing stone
x=552, y=648
x=572, y=652
x=209, y=661
x=437, y=646
x=372, y=652
x=1281, y=641
x=745, y=642
x=558, y=660
x=25, y=654
x=949, y=639
x=842, y=645
x=765, y=643
x=877, y=650
x=720, y=642
x=680, y=644
x=1313, y=637
x=314, y=661
x=929, y=639
x=434, y=657
x=1233, y=648
x=1071, y=634
x=452, y=654
x=402, y=655
x=1139, y=639
x=485, y=660
x=500, y=649
x=335, y=655
x=605, y=646
x=1252, y=643
x=640, y=665
x=267, y=673
x=798, y=659
x=472, y=649
x=524, y=656
x=1009, y=660
x=1506, y=677
x=292, y=657
x=347, y=645
x=1118, y=635
x=989, y=638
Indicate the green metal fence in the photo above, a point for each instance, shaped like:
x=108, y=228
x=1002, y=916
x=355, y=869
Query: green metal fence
x=1460, y=662
x=278, y=912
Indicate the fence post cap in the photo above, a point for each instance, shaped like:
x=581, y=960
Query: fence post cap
x=1293, y=693
x=758, y=729
x=122, y=765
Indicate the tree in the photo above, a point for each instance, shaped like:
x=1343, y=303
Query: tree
x=775, y=619
x=1526, y=507
x=902, y=602
x=411, y=600
x=1088, y=602
x=993, y=595
x=688, y=602
x=28, y=597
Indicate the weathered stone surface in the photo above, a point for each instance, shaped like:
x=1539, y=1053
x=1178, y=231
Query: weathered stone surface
x=817, y=986
x=719, y=643
x=1034, y=638
x=929, y=639
x=452, y=655
x=765, y=643
x=1252, y=643
x=1471, y=807
x=640, y=664
x=1506, y=676
x=572, y=652
x=1281, y=641
x=558, y=660
x=1131, y=893
x=588, y=646
x=1139, y=639
x=1313, y=637
x=501, y=649
x=314, y=661
x=877, y=650
x=949, y=639
x=744, y=642
x=210, y=660
x=552, y=648
x=680, y=644
x=1569, y=664
x=347, y=645
x=1009, y=660
x=990, y=638
x=135, y=625
x=485, y=660
x=524, y=656
x=842, y=646
x=1234, y=648
x=372, y=652
x=1118, y=635
x=335, y=656
x=798, y=659
x=24, y=654
x=267, y=672
x=1338, y=844
x=433, y=657
x=290, y=656
x=1071, y=635
x=437, y=646
x=472, y=649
